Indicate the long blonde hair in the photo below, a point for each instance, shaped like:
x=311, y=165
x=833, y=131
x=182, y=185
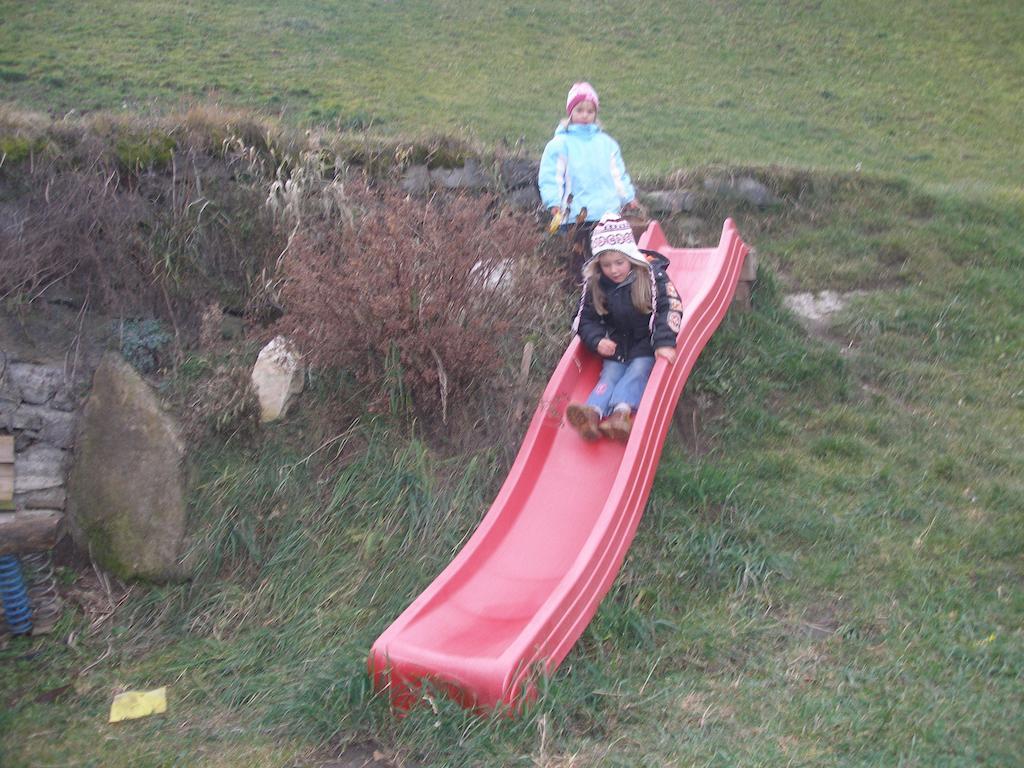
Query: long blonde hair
x=640, y=291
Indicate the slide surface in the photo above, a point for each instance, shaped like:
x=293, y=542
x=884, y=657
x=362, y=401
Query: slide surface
x=518, y=595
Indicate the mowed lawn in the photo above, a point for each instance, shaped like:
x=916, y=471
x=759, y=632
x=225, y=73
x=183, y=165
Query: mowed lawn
x=924, y=90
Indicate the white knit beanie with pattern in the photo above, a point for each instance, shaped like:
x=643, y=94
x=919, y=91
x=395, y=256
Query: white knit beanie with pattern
x=613, y=233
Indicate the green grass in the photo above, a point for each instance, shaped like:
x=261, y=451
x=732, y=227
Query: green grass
x=926, y=92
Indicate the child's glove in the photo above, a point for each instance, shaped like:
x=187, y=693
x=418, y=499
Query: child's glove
x=556, y=220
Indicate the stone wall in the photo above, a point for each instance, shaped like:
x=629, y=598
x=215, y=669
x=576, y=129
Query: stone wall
x=38, y=407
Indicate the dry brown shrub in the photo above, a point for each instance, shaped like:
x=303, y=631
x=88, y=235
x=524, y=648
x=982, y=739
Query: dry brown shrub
x=421, y=300
x=77, y=227
x=225, y=405
x=210, y=327
x=159, y=241
x=210, y=127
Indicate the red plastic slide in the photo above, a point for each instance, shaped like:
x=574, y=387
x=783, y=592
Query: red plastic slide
x=519, y=594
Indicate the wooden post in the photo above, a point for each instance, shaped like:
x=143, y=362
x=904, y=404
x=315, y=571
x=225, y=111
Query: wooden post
x=748, y=276
x=34, y=530
x=521, y=381
x=748, y=272
x=6, y=472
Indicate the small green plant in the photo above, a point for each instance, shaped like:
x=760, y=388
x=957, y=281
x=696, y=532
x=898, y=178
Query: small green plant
x=143, y=343
x=150, y=151
x=14, y=149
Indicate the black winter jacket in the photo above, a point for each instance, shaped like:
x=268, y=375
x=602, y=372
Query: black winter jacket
x=623, y=324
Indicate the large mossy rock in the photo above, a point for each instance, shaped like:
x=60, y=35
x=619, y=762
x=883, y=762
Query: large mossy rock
x=126, y=492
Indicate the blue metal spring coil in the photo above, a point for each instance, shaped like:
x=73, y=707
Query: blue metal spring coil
x=14, y=596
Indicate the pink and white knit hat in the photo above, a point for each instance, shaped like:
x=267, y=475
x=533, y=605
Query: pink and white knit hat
x=581, y=91
x=613, y=233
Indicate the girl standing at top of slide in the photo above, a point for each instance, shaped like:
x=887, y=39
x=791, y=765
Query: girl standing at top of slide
x=582, y=170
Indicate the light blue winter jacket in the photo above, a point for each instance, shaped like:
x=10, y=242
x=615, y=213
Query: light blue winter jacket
x=585, y=161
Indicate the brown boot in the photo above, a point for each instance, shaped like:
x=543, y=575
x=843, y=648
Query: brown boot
x=584, y=420
x=617, y=426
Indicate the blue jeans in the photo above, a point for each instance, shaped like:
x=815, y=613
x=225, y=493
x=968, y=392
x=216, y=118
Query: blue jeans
x=620, y=384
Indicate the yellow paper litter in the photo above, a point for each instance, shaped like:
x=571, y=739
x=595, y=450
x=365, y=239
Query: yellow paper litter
x=132, y=704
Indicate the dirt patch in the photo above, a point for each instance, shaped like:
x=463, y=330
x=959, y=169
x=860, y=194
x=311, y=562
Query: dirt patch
x=363, y=755
x=816, y=622
x=691, y=415
x=820, y=622
x=816, y=310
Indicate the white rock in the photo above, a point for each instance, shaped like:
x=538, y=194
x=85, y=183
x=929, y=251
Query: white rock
x=815, y=306
x=816, y=310
x=277, y=377
x=493, y=274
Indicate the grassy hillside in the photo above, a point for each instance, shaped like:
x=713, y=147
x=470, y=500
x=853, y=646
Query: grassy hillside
x=933, y=92
x=831, y=578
